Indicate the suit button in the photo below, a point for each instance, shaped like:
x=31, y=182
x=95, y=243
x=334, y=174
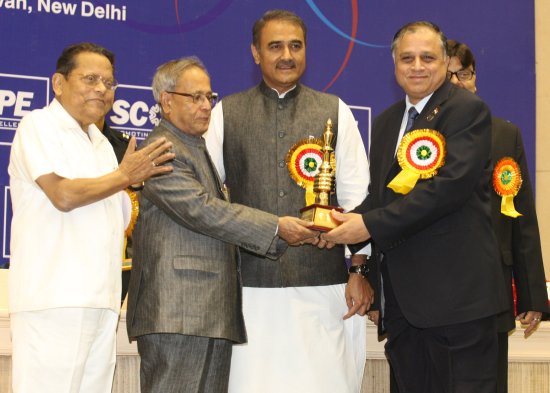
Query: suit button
x=281, y=164
x=281, y=134
x=281, y=193
x=280, y=106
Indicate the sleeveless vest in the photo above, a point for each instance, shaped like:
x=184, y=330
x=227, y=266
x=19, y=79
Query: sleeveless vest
x=259, y=130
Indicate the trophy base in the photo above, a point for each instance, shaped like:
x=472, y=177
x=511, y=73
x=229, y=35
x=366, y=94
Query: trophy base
x=321, y=217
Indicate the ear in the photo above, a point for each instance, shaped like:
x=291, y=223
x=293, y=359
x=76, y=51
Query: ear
x=255, y=54
x=57, y=83
x=165, y=102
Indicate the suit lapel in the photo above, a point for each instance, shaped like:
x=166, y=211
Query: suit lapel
x=432, y=110
x=387, y=143
x=220, y=187
x=391, y=166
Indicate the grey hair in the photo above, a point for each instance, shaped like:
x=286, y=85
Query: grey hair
x=412, y=28
x=167, y=74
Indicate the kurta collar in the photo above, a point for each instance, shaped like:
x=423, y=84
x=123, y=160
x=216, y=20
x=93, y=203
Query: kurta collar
x=93, y=134
x=271, y=93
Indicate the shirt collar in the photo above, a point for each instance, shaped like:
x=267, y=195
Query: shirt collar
x=419, y=106
x=68, y=122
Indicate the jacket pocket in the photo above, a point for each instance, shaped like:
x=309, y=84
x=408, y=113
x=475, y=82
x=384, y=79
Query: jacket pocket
x=195, y=262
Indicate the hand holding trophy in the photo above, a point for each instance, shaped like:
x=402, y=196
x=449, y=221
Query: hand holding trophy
x=323, y=187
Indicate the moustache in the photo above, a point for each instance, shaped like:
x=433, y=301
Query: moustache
x=286, y=63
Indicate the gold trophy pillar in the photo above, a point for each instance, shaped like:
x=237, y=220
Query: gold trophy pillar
x=323, y=187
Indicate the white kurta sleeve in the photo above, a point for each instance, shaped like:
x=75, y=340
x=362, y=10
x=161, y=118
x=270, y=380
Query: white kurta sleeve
x=352, y=165
x=214, y=139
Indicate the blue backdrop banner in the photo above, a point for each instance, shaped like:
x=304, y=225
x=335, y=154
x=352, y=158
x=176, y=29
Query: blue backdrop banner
x=347, y=54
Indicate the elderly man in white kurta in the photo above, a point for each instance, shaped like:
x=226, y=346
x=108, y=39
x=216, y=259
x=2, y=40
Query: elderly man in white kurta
x=67, y=231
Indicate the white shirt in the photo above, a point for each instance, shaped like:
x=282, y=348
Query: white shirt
x=419, y=106
x=59, y=259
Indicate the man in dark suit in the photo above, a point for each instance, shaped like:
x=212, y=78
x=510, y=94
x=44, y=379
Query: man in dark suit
x=184, y=304
x=432, y=240
x=518, y=237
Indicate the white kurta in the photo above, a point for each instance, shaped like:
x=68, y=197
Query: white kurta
x=62, y=259
x=297, y=339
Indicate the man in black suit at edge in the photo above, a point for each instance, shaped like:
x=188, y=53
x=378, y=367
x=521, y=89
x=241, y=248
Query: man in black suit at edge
x=433, y=243
x=518, y=237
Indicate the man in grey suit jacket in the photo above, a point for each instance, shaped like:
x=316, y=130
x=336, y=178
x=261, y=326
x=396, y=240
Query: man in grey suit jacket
x=184, y=304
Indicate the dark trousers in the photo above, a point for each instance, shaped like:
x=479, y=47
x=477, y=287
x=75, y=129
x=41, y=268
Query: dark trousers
x=460, y=358
x=177, y=363
x=502, y=381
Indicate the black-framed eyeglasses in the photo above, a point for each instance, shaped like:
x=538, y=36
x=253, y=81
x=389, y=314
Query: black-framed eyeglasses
x=198, y=98
x=93, y=80
x=462, y=75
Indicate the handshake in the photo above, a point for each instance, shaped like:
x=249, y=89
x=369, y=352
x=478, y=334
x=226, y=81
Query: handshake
x=297, y=232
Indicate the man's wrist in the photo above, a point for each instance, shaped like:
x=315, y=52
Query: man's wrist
x=359, y=269
x=359, y=259
x=137, y=187
x=359, y=265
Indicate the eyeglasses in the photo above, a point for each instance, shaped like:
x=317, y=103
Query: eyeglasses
x=462, y=75
x=93, y=80
x=198, y=98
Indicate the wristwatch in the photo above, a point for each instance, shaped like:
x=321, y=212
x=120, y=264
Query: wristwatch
x=137, y=187
x=363, y=269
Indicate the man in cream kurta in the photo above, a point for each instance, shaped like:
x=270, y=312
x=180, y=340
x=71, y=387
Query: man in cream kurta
x=294, y=307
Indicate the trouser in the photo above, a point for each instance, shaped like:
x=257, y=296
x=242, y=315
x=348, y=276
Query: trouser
x=63, y=350
x=177, y=363
x=459, y=358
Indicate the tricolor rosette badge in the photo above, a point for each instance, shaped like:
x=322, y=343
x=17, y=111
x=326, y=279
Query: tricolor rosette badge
x=303, y=162
x=420, y=154
x=507, y=182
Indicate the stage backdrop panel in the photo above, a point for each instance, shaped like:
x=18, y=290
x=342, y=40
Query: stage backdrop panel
x=347, y=54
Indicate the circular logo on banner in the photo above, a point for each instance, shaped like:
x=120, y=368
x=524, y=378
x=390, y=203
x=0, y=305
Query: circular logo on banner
x=422, y=151
x=154, y=115
x=507, y=177
x=304, y=159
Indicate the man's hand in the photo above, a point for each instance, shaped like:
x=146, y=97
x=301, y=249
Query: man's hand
x=136, y=166
x=322, y=243
x=531, y=319
x=140, y=165
x=359, y=295
x=374, y=316
x=295, y=231
x=351, y=231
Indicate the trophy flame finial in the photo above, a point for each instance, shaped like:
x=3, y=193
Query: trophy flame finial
x=324, y=180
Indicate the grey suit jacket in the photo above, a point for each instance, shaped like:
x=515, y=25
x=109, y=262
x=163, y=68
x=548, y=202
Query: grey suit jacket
x=186, y=273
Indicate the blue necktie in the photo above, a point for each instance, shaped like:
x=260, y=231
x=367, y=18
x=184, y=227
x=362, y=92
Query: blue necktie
x=411, y=118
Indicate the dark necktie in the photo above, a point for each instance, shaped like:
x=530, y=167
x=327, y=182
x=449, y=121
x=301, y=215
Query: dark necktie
x=411, y=118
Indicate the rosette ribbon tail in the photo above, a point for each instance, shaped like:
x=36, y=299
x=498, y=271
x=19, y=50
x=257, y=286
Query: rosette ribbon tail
x=404, y=182
x=134, y=205
x=507, y=207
